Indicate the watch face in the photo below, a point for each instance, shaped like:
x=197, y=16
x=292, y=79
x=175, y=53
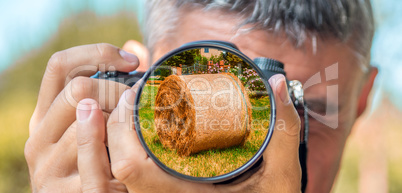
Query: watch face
x=204, y=112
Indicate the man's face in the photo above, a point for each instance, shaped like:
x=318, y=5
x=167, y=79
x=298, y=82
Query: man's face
x=332, y=99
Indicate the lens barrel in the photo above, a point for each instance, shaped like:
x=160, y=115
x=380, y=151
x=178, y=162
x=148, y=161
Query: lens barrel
x=269, y=66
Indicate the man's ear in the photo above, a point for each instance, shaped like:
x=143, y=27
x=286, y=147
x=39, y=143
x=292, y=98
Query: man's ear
x=364, y=94
x=140, y=51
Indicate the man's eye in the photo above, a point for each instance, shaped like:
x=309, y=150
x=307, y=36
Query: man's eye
x=322, y=107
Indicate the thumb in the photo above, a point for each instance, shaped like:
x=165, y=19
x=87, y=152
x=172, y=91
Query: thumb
x=141, y=52
x=282, y=152
x=93, y=163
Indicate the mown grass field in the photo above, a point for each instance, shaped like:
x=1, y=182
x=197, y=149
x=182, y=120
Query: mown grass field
x=206, y=163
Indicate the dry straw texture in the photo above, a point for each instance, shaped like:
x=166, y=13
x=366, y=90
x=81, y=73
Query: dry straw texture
x=201, y=112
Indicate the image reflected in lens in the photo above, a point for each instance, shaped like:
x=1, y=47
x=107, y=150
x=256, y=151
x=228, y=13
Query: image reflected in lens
x=204, y=112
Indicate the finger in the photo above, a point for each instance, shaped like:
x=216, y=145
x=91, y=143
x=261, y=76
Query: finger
x=141, y=52
x=124, y=147
x=68, y=145
x=93, y=162
x=62, y=112
x=84, y=60
x=130, y=163
x=283, y=149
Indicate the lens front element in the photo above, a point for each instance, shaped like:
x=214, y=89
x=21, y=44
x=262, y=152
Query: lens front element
x=204, y=112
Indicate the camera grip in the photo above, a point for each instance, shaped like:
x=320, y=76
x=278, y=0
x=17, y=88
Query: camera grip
x=128, y=79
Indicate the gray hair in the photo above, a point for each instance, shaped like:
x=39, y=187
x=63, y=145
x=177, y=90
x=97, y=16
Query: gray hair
x=299, y=19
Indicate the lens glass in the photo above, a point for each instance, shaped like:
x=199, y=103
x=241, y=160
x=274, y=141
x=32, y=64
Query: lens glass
x=204, y=112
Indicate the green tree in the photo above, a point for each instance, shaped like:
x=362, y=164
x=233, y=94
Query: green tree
x=163, y=73
x=215, y=59
x=204, y=60
x=185, y=58
x=233, y=60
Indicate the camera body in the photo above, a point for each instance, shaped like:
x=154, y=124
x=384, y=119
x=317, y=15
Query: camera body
x=268, y=68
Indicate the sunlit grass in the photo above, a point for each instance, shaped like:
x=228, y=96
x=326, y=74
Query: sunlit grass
x=206, y=163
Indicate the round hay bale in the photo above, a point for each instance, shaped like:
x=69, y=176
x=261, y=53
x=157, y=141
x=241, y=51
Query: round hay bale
x=201, y=112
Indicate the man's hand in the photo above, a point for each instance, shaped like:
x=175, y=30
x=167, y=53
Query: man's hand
x=51, y=150
x=131, y=165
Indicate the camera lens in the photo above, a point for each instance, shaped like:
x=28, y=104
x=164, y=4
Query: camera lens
x=270, y=67
x=205, y=113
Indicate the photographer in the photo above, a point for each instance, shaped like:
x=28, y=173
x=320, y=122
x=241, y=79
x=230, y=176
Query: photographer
x=76, y=115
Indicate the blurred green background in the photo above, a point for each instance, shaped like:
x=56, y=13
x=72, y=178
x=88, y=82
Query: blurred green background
x=19, y=85
x=372, y=159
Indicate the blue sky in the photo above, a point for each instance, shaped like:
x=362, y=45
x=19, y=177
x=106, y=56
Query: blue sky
x=386, y=52
x=27, y=24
